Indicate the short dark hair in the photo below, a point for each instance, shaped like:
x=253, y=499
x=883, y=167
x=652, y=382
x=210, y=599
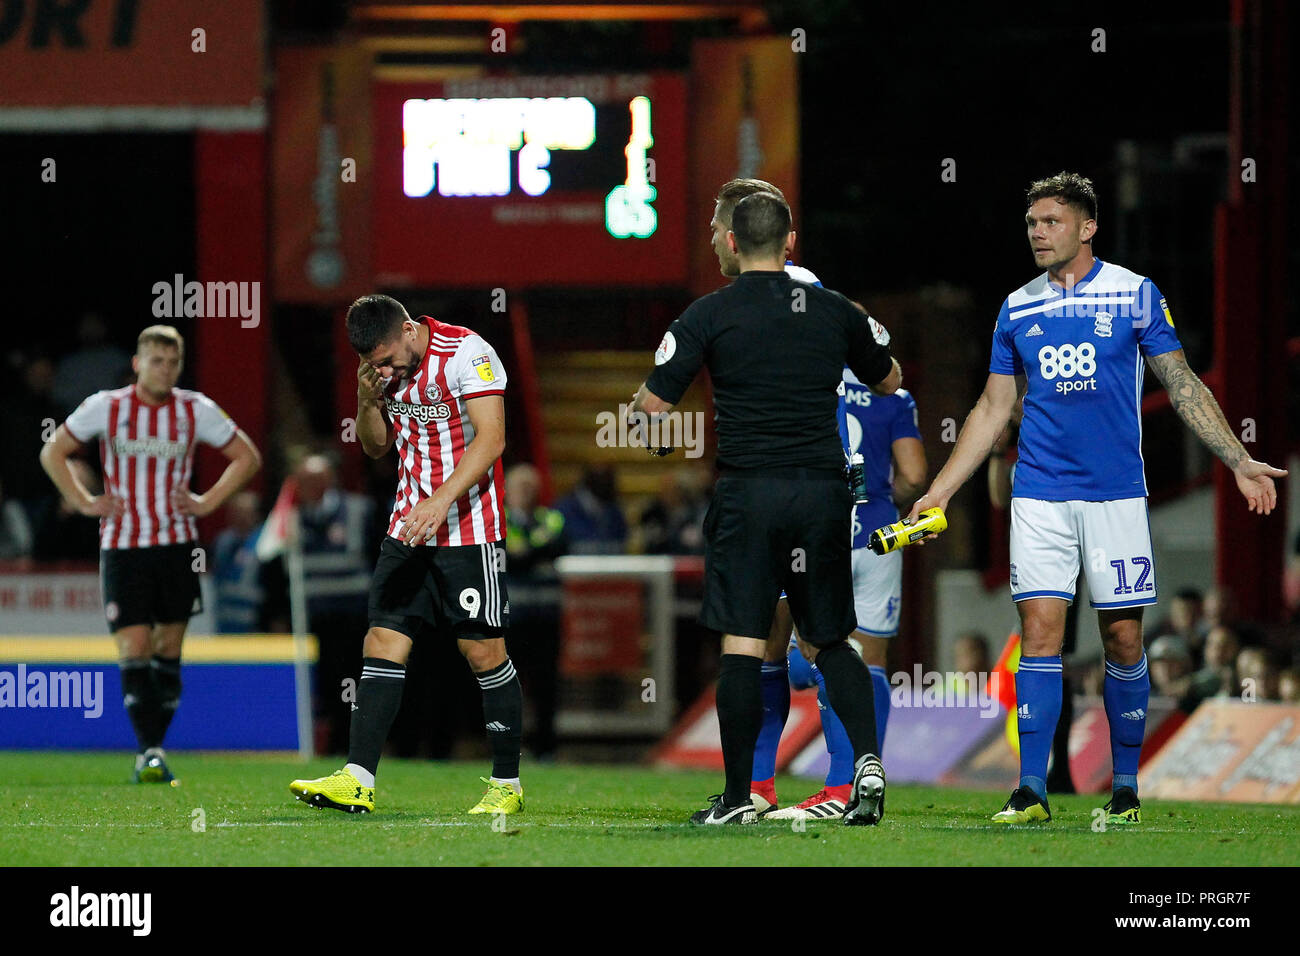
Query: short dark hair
x=1070, y=188
x=735, y=190
x=761, y=223
x=374, y=320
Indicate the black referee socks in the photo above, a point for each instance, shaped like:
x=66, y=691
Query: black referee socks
x=740, y=718
x=503, y=716
x=849, y=692
x=379, y=694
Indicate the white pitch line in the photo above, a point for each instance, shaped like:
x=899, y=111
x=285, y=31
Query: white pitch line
x=571, y=825
x=227, y=824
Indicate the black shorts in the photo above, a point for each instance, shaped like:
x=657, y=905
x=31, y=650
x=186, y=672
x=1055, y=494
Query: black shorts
x=458, y=590
x=764, y=534
x=155, y=585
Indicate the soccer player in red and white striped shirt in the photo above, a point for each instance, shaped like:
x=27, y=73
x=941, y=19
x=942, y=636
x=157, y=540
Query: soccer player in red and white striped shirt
x=147, y=434
x=436, y=392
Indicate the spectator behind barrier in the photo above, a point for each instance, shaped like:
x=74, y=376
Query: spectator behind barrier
x=674, y=522
x=95, y=365
x=340, y=539
x=27, y=417
x=535, y=537
x=65, y=534
x=236, y=571
x=1257, y=675
x=1170, y=662
x=1217, y=677
x=1288, y=685
x=15, y=530
x=592, y=517
x=1187, y=620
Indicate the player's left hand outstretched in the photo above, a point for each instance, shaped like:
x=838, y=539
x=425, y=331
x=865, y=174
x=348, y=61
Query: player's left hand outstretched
x=188, y=503
x=423, y=521
x=1255, y=482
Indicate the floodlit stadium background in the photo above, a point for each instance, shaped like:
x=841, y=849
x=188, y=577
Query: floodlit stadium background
x=276, y=147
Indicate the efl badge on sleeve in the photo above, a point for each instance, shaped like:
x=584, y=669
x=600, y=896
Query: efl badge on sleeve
x=878, y=331
x=667, y=348
x=484, y=366
x=1165, y=309
x=1101, y=324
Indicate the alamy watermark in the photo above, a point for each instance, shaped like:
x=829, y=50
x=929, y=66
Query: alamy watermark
x=39, y=688
x=74, y=908
x=935, y=689
x=629, y=429
x=223, y=300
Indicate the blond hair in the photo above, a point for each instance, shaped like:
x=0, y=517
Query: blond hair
x=161, y=335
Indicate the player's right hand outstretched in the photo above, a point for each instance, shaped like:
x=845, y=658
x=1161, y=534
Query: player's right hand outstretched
x=1255, y=482
x=103, y=506
x=370, y=387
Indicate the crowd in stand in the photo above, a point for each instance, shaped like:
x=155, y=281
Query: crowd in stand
x=1204, y=650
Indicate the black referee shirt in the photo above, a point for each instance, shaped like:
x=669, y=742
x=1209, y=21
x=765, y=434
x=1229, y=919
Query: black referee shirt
x=776, y=350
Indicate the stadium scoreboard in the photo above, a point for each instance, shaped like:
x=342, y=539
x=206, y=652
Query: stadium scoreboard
x=509, y=181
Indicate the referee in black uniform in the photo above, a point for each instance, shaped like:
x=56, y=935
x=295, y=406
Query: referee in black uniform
x=782, y=510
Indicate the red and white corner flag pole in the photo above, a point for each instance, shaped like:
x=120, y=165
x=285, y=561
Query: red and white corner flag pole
x=280, y=536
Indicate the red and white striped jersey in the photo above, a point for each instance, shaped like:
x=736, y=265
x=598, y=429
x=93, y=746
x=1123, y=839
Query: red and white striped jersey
x=148, y=451
x=433, y=428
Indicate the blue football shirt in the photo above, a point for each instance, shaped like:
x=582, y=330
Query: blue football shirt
x=872, y=424
x=1082, y=352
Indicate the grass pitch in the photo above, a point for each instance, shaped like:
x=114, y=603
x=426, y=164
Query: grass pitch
x=236, y=810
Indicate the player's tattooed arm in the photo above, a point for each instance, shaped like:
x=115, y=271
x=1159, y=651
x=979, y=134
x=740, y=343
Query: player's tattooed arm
x=1197, y=407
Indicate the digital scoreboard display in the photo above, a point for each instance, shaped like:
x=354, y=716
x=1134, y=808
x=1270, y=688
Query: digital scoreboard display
x=527, y=181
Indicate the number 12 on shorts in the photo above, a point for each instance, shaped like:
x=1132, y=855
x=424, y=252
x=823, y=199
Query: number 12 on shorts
x=1141, y=584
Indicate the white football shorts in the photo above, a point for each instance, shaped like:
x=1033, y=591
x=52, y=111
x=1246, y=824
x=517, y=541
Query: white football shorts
x=1109, y=540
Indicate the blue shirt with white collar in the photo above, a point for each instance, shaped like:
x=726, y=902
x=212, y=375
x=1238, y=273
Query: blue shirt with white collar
x=1082, y=351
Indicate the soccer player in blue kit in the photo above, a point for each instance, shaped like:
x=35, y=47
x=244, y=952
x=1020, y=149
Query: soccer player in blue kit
x=1079, y=337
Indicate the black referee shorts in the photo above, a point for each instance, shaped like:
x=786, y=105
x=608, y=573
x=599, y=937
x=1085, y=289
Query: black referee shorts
x=456, y=589
x=156, y=585
x=766, y=531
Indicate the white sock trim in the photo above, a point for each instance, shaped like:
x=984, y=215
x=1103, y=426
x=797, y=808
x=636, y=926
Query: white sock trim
x=364, y=776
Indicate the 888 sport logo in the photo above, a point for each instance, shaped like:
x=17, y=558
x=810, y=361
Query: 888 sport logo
x=1074, y=366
